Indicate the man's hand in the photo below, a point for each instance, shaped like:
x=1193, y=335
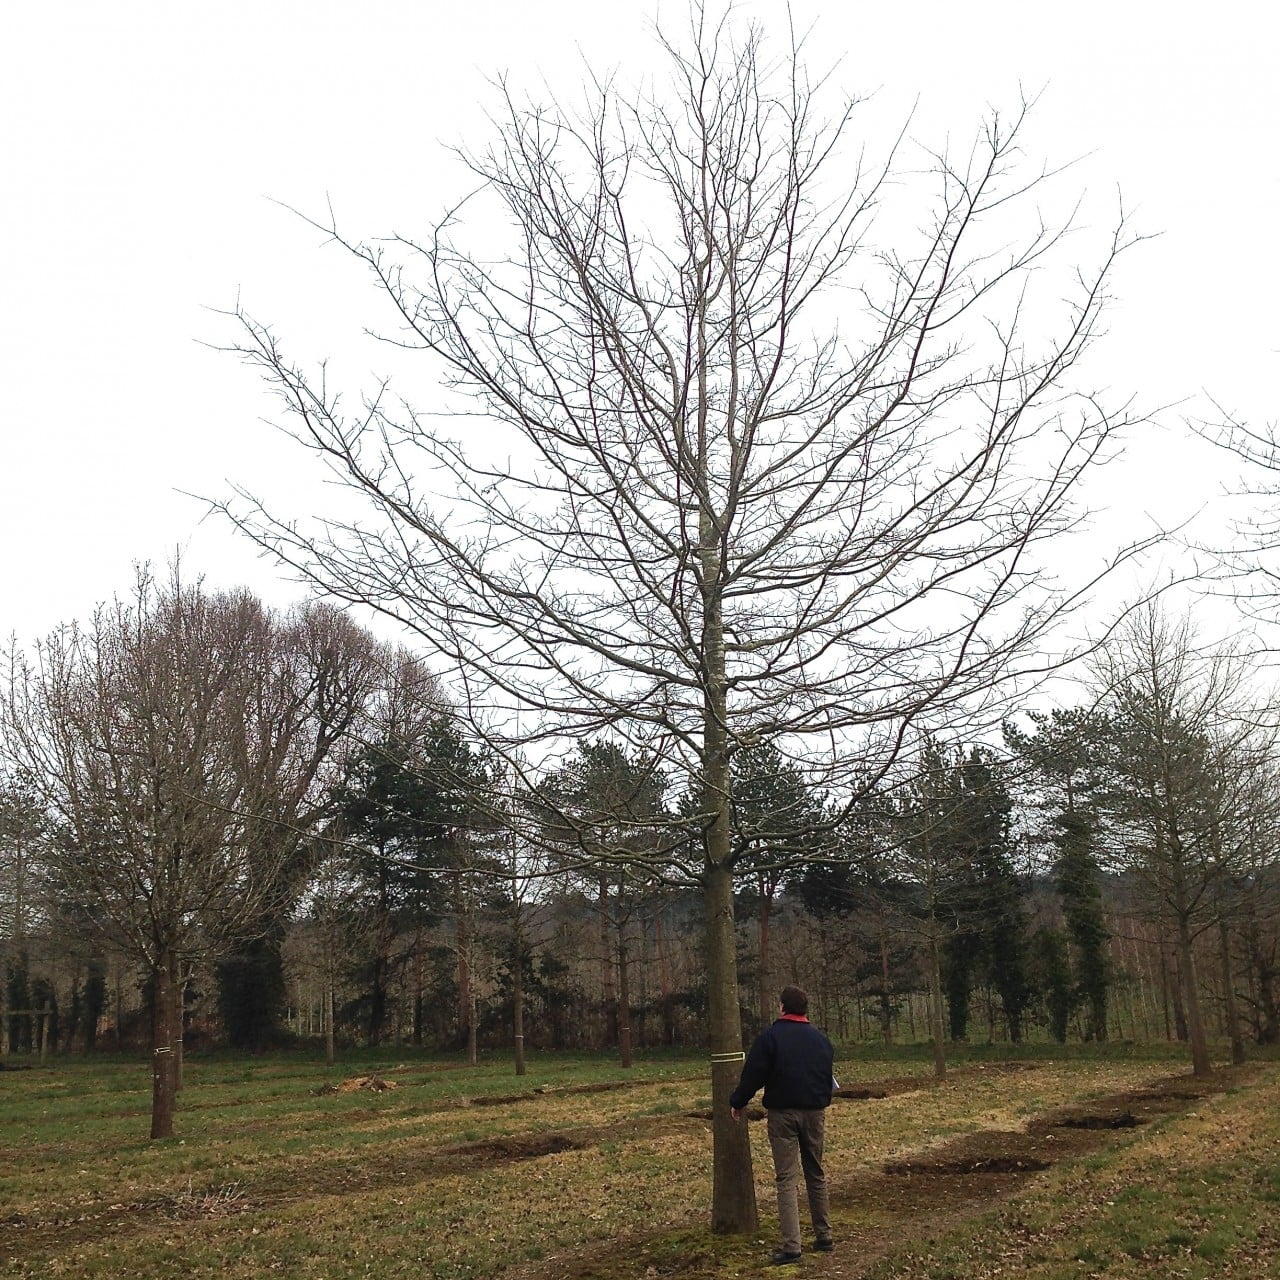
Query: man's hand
x=736, y=1112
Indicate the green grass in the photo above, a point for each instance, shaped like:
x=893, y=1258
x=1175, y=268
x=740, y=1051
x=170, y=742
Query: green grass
x=1193, y=1197
x=267, y=1176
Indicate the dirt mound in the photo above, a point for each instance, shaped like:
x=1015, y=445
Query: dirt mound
x=1098, y=1120
x=372, y=1084
x=502, y=1149
x=961, y=1166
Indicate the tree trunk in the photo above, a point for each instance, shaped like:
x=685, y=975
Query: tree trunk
x=608, y=990
x=1262, y=971
x=935, y=1007
x=177, y=986
x=473, y=1048
x=886, y=1006
x=733, y=1192
x=162, y=1073
x=767, y=995
x=1200, y=1063
x=382, y=955
x=624, y=996
x=466, y=998
x=664, y=979
x=417, y=988
x=517, y=999
x=330, y=1049
x=733, y=1188
x=1229, y=996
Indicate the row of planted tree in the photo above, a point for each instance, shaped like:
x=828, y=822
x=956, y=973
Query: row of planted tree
x=285, y=815
x=868, y=981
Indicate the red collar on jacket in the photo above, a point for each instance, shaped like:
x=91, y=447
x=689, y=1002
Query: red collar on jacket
x=792, y=1017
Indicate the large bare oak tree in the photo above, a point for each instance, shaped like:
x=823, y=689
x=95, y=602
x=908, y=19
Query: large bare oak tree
x=745, y=457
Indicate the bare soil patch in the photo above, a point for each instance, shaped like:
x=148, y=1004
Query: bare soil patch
x=927, y=1191
x=500, y=1150
x=531, y=1095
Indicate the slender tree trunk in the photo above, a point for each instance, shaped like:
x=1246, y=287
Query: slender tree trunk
x=608, y=989
x=664, y=979
x=330, y=1048
x=1200, y=1063
x=162, y=1073
x=1171, y=1030
x=517, y=999
x=1262, y=975
x=466, y=997
x=417, y=988
x=1229, y=996
x=177, y=986
x=935, y=1006
x=624, y=995
x=1142, y=974
x=886, y=1007
x=1181, y=1032
x=473, y=1047
x=464, y=986
x=382, y=955
x=767, y=996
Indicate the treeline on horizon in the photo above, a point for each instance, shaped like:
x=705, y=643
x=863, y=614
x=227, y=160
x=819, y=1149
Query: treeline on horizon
x=223, y=824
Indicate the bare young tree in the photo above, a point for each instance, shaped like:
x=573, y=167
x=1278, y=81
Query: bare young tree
x=756, y=465
x=172, y=742
x=1194, y=773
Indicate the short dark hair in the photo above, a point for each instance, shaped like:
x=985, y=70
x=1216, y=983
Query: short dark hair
x=794, y=1000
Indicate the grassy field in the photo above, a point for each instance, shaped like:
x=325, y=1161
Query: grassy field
x=581, y=1169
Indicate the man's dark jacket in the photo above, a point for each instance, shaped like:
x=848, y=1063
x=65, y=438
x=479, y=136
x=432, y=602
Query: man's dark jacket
x=793, y=1061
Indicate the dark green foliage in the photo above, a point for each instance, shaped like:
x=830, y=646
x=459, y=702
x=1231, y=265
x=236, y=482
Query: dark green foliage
x=981, y=899
x=402, y=808
x=1068, y=758
x=960, y=957
x=777, y=818
x=1081, y=896
x=1051, y=970
x=251, y=994
x=606, y=804
x=412, y=811
x=607, y=809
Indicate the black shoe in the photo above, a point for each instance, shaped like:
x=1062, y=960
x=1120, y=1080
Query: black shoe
x=824, y=1246
x=782, y=1257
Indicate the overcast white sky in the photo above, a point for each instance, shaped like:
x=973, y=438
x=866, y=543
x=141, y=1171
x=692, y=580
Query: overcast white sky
x=143, y=145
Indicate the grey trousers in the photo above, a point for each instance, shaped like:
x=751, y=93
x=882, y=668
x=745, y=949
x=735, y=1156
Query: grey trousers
x=795, y=1138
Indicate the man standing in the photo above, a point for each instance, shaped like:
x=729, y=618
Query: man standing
x=793, y=1061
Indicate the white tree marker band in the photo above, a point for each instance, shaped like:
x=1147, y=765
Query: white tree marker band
x=740, y=1056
